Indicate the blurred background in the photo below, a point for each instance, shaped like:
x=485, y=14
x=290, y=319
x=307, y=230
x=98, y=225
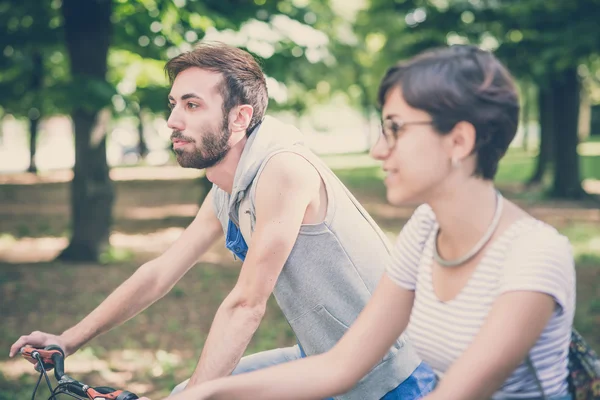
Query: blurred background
x=89, y=188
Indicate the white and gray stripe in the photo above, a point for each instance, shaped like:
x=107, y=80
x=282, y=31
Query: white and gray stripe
x=529, y=255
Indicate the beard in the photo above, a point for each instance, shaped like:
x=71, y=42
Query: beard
x=212, y=150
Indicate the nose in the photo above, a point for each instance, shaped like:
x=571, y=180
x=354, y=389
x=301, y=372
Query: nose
x=380, y=150
x=175, y=120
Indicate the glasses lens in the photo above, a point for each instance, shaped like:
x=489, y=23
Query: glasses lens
x=389, y=131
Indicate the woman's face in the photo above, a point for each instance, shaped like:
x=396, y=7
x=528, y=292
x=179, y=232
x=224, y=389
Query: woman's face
x=415, y=157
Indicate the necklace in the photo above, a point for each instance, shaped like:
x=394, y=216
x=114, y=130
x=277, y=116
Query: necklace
x=477, y=248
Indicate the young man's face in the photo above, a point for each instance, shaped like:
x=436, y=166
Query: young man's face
x=200, y=130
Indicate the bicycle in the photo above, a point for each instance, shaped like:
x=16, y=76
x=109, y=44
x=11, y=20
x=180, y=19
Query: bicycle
x=54, y=357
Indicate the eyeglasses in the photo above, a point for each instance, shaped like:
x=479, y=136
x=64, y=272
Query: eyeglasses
x=391, y=129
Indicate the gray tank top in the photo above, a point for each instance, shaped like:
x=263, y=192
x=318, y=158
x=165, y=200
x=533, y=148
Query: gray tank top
x=330, y=275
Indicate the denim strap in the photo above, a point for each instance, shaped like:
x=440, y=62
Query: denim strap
x=535, y=375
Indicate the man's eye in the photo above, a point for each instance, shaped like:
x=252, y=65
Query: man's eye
x=192, y=105
x=171, y=106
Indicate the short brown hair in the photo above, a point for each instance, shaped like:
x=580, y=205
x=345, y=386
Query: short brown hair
x=243, y=79
x=461, y=83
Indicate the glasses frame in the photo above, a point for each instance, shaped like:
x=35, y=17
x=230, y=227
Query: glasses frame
x=390, y=130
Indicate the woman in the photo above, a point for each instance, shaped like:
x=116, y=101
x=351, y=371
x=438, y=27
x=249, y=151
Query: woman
x=485, y=291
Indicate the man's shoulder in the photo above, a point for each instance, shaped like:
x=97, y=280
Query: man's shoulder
x=290, y=170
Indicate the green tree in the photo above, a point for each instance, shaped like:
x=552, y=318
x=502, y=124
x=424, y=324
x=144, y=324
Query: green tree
x=541, y=41
x=33, y=66
x=537, y=43
x=89, y=33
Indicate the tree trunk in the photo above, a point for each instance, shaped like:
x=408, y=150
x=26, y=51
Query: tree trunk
x=595, y=121
x=87, y=34
x=33, y=130
x=366, y=106
x=142, y=146
x=525, y=113
x=35, y=114
x=545, y=118
x=566, y=90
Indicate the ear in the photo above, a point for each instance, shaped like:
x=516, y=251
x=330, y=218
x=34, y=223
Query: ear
x=240, y=117
x=462, y=141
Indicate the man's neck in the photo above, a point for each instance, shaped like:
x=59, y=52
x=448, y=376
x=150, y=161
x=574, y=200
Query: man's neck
x=223, y=173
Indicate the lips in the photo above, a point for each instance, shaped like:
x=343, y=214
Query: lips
x=177, y=143
x=390, y=176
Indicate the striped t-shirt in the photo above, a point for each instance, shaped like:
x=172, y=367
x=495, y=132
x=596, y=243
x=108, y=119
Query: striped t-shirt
x=529, y=255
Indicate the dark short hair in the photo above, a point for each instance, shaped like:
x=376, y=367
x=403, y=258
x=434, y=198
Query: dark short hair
x=461, y=83
x=243, y=79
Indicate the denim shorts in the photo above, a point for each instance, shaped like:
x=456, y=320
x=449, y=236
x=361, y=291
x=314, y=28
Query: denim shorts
x=420, y=383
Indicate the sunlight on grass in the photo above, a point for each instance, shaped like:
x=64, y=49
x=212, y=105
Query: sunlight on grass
x=115, y=254
x=123, y=247
x=165, y=172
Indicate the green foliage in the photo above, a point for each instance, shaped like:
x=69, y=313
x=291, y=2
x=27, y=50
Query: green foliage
x=33, y=61
x=145, y=33
x=357, y=46
x=536, y=38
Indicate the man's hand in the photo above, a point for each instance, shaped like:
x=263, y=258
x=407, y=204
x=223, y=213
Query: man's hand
x=40, y=339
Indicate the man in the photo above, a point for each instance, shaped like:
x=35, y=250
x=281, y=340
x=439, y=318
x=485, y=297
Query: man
x=300, y=234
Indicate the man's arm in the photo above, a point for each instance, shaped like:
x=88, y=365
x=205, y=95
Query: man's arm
x=149, y=283
x=284, y=191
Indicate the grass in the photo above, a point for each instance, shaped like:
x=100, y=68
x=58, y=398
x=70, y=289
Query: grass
x=159, y=348
x=518, y=166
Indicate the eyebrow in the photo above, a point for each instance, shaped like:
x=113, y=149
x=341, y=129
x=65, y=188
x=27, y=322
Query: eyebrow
x=188, y=96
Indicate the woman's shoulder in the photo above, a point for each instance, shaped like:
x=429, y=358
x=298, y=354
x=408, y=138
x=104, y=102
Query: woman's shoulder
x=530, y=233
x=540, y=259
x=538, y=249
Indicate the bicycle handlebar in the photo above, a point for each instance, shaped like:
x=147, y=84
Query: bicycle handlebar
x=51, y=357
x=54, y=357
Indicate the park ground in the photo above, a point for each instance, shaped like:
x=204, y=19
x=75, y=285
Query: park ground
x=159, y=348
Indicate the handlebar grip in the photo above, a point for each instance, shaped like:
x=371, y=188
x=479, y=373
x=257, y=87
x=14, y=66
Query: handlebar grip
x=127, y=396
x=105, y=392
x=47, y=356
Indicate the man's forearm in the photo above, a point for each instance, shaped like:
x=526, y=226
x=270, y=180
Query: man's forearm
x=231, y=331
x=129, y=299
